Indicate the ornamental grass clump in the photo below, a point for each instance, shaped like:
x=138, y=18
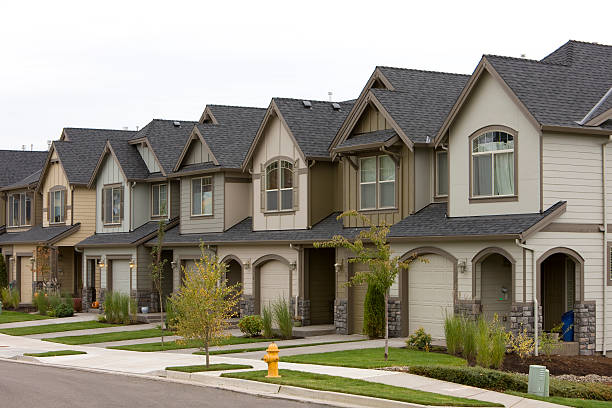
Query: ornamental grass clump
x=10, y=298
x=266, y=320
x=491, y=340
x=283, y=318
x=119, y=308
x=453, y=334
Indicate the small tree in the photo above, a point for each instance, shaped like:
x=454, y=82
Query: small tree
x=3, y=274
x=376, y=254
x=157, y=272
x=205, y=303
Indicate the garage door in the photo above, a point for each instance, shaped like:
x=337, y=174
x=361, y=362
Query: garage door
x=26, y=279
x=121, y=276
x=357, y=296
x=430, y=294
x=274, y=282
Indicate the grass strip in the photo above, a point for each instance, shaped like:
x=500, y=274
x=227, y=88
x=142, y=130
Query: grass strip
x=212, y=367
x=570, y=402
x=8, y=316
x=375, y=358
x=55, y=353
x=55, y=328
x=359, y=387
x=174, y=345
x=107, y=337
x=246, y=350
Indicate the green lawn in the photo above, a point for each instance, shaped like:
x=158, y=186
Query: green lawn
x=212, y=367
x=105, y=337
x=55, y=353
x=358, y=387
x=571, y=402
x=12, y=317
x=246, y=350
x=374, y=358
x=55, y=328
x=173, y=345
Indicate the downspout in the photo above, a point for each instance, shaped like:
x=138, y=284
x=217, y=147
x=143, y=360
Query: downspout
x=536, y=314
x=132, y=185
x=605, y=239
x=298, y=268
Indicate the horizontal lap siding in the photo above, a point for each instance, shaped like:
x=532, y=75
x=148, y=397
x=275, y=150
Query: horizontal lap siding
x=84, y=208
x=194, y=225
x=55, y=176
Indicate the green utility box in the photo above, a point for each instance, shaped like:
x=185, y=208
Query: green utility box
x=539, y=381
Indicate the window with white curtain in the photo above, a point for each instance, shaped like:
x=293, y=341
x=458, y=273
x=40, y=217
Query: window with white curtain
x=377, y=183
x=441, y=173
x=112, y=205
x=57, y=206
x=493, y=164
x=279, y=186
x=202, y=196
x=159, y=204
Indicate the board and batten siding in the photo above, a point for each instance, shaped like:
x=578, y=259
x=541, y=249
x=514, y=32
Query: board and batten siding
x=201, y=224
x=197, y=153
x=489, y=104
x=148, y=158
x=277, y=143
x=111, y=174
x=55, y=176
x=423, y=182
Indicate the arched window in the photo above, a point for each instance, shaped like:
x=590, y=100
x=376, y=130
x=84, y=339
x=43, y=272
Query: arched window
x=493, y=164
x=279, y=186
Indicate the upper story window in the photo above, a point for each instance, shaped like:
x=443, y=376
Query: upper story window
x=57, y=206
x=441, y=174
x=493, y=164
x=377, y=183
x=159, y=197
x=112, y=205
x=202, y=196
x=20, y=209
x=279, y=186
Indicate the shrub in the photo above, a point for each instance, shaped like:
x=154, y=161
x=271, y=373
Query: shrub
x=63, y=310
x=266, y=320
x=374, y=313
x=453, y=326
x=3, y=273
x=251, y=326
x=491, y=339
x=171, y=317
x=283, y=318
x=41, y=301
x=10, y=298
x=522, y=344
x=420, y=340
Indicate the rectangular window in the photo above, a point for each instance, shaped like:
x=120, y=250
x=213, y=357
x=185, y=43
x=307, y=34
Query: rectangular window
x=377, y=183
x=441, y=173
x=57, y=207
x=201, y=196
x=159, y=207
x=20, y=209
x=112, y=205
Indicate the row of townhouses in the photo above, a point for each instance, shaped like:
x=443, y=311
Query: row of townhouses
x=500, y=179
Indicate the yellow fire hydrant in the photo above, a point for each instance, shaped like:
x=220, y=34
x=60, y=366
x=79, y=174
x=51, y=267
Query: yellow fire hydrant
x=272, y=359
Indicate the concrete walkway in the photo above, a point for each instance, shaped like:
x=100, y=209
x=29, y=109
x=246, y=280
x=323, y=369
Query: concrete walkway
x=101, y=330
x=143, y=363
x=78, y=317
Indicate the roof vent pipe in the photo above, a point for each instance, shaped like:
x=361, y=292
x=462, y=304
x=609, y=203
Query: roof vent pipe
x=176, y=123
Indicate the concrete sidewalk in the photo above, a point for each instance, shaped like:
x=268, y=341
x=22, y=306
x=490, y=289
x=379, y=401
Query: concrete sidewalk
x=78, y=317
x=150, y=363
x=101, y=330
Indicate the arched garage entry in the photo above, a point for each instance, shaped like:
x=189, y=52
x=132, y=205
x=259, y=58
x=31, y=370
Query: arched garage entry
x=271, y=280
x=427, y=291
x=233, y=274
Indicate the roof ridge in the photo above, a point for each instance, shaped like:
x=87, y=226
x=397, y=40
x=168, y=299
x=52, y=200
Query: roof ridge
x=588, y=43
x=310, y=100
x=107, y=130
x=169, y=120
x=423, y=70
x=23, y=151
x=235, y=106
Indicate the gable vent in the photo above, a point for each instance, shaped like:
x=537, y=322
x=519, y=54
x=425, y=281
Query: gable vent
x=176, y=123
x=307, y=104
x=336, y=106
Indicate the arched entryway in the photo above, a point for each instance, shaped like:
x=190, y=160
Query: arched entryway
x=272, y=280
x=560, y=284
x=494, y=276
x=233, y=275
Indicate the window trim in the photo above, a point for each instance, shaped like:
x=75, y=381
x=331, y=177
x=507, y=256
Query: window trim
x=212, y=191
x=52, y=191
x=111, y=187
x=158, y=185
x=9, y=205
x=377, y=182
x=279, y=161
x=436, y=172
x=493, y=198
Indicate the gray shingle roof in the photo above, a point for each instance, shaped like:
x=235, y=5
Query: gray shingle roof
x=313, y=128
x=129, y=159
x=562, y=88
x=228, y=115
x=121, y=238
x=26, y=182
x=378, y=136
x=166, y=139
x=15, y=165
x=37, y=234
x=432, y=221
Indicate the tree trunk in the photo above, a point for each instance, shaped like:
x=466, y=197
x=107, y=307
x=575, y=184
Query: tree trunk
x=386, y=325
x=207, y=355
x=161, y=310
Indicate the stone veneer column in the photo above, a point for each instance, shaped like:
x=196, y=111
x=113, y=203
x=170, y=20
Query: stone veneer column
x=341, y=316
x=585, y=326
x=102, y=297
x=470, y=308
x=304, y=311
x=395, y=317
x=86, y=298
x=247, y=305
x=522, y=317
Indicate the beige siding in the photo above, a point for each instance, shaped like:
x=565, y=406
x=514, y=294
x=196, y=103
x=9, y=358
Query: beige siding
x=322, y=191
x=55, y=176
x=237, y=206
x=140, y=205
x=489, y=104
x=85, y=213
x=200, y=224
x=110, y=173
x=197, y=153
x=276, y=142
x=148, y=157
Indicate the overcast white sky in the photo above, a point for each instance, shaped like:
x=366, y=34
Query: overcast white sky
x=122, y=63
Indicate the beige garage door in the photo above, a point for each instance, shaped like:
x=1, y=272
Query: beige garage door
x=357, y=296
x=188, y=265
x=121, y=275
x=430, y=294
x=26, y=279
x=274, y=282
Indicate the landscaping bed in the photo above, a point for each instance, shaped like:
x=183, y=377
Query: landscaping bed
x=558, y=365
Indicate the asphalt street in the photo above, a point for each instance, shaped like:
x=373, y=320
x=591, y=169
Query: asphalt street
x=25, y=385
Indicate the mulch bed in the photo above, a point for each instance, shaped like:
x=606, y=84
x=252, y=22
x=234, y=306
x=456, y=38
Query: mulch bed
x=558, y=365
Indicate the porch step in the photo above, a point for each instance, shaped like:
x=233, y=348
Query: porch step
x=570, y=348
x=316, y=330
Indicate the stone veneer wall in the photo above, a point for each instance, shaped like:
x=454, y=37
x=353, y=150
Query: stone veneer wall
x=470, y=308
x=247, y=305
x=394, y=313
x=86, y=298
x=304, y=311
x=341, y=316
x=585, y=326
x=522, y=317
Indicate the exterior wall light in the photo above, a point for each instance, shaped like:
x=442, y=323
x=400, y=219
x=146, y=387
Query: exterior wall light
x=173, y=264
x=247, y=264
x=292, y=265
x=132, y=264
x=101, y=263
x=338, y=267
x=461, y=265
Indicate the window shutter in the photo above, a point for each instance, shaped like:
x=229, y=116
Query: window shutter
x=49, y=206
x=64, y=198
x=102, y=207
x=296, y=190
x=121, y=208
x=262, y=177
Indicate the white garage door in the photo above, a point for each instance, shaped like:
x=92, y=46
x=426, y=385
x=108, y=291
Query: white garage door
x=430, y=294
x=274, y=283
x=121, y=276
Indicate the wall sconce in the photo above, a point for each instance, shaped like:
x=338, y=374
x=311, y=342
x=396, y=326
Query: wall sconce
x=461, y=265
x=173, y=264
x=292, y=266
x=101, y=263
x=338, y=267
x=32, y=261
x=132, y=264
x=247, y=264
